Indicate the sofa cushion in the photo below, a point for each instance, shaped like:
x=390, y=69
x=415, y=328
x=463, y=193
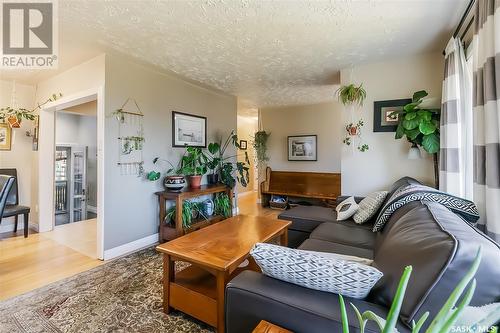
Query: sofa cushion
x=316, y=270
x=324, y=246
x=441, y=248
x=346, y=232
x=346, y=209
x=307, y=218
x=369, y=206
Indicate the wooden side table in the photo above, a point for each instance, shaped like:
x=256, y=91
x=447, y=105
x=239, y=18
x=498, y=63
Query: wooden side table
x=168, y=233
x=267, y=327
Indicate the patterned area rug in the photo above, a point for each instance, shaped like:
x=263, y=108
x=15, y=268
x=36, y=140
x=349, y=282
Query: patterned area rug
x=124, y=295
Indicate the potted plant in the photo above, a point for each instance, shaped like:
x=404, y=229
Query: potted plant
x=14, y=116
x=260, y=145
x=213, y=163
x=173, y=180
x=351, y=94
x=225, y=166
x=190, y=211
x=420, y=126
x=353, y=131
x=193, y=166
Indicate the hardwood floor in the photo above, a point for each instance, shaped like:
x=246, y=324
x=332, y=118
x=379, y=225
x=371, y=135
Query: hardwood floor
x=40, y=259
x=79, y=236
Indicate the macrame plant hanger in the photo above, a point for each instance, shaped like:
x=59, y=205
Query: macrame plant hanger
x=131, y=139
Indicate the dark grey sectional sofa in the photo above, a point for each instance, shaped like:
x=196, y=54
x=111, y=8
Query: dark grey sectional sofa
x=436, y=242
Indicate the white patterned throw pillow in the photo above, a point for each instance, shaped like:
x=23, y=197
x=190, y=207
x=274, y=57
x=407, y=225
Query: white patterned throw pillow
x=369, y=206
x=315, y=271
x=346, y=209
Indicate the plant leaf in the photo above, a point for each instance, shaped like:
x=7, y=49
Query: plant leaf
x=410, y=115
x=410, y=124
x=412, y=134
x=392, y=317
x=417, y=96
x=427, y=127
x=343, y=314
x=431, y=143
x=361, y=321
x=425, y=114
x=416, y=327
x=460, y=308
x=400, y=131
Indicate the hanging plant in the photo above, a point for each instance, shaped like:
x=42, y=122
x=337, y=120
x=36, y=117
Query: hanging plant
x=260, y=145
x=14, y=116
x=354, y=131
x=351, y=94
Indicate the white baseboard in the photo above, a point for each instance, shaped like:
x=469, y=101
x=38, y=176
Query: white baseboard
x=130, y=247
x=92, y=209
x=236, y=211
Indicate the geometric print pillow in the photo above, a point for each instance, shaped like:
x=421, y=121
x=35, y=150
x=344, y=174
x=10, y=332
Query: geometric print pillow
x=314, y=271
x=369, y=206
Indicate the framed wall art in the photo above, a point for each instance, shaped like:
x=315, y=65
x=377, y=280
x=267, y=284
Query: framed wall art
x=188, y=130
x=5, y=136
x=384, y=119
x=243, y=144
x=303, y=148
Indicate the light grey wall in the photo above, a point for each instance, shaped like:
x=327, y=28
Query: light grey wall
x=131, y=208
x=323, y=120
x=387, y=159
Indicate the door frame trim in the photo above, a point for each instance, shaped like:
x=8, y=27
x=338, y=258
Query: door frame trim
x=46, y=153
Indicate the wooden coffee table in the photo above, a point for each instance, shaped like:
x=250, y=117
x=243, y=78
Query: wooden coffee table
x=214, y=253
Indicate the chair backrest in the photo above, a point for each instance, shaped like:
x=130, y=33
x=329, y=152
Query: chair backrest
x=13, y=197
x=6, y=182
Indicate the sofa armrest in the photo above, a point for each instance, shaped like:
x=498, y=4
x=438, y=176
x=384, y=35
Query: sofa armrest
x=343, y=197
x=252, y=297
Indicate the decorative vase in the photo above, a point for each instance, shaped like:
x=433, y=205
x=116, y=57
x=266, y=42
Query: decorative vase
x=14, y=122
x=213, y=178
x=194, y=181
x=174, y=183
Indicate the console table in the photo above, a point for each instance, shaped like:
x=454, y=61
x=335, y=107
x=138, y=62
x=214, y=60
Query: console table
x=167, y=232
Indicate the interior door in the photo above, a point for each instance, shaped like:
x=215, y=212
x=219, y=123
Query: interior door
x=78, y=183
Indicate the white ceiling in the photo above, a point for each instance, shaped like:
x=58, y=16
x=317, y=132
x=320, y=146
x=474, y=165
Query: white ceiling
x=266, y=52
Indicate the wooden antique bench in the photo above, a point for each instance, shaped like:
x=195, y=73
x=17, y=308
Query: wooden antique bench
x=313, y=185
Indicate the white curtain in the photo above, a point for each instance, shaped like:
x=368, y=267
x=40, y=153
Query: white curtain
x=487, y=115
x=455, y=156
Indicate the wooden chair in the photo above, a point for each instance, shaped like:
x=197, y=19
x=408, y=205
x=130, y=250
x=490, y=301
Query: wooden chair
x=12, y=207
x=6, y=183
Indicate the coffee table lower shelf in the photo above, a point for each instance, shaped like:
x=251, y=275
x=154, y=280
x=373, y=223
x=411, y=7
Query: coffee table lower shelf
x=194, y=291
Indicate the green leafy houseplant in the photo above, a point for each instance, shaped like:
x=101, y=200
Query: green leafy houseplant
x=444, y=320
x=260, y=145
x=16, y=115
x=189, y=208
x=351, y=94
x=222, y=205
x=217, y=160
x=419, y=125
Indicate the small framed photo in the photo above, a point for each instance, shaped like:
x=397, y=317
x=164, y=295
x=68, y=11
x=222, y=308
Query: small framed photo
x=302, y=148
x=5, y=136
x=243, y=144
x=36, y=127
x=384, y=118
x=188, y=130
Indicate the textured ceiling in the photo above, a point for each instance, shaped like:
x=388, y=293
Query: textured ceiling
x=266, y=52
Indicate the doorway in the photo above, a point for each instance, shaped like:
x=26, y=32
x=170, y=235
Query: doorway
x=71, y=170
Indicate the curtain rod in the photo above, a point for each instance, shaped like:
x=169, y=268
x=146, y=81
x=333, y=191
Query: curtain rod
x=462, y=21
